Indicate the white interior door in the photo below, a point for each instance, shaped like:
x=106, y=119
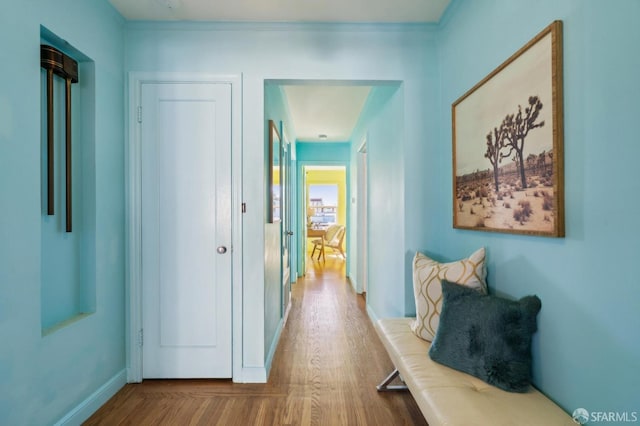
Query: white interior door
x=186, y=230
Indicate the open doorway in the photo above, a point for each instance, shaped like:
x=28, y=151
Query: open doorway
x=326, y=212
x=329, y=121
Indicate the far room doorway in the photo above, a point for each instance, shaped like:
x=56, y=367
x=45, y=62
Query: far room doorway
x=327, y=122
x=325, y=189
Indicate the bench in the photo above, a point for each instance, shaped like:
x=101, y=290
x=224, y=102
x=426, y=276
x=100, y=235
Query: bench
x=450, y=397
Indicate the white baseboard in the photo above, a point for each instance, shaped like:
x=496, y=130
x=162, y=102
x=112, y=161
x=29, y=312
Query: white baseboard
x=86, y=408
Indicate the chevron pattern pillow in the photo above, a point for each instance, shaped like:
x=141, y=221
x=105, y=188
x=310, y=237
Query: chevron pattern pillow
x=427, y=287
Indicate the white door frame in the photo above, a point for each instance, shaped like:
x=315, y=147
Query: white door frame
x=133, y=226
x=363, y=218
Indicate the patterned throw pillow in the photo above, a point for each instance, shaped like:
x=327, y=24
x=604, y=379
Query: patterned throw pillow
x=427, y=287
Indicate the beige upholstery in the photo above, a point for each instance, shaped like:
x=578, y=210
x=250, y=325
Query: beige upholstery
x=332, y=238
x=449, y=397
x=427, y=287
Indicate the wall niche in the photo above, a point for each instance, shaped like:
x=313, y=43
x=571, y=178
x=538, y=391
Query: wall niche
x=68, y=182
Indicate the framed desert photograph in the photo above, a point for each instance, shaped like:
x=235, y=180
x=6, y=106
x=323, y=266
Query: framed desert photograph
x=508, y=144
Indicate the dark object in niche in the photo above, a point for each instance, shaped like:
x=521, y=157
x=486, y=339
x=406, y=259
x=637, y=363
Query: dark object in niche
x=56, y=62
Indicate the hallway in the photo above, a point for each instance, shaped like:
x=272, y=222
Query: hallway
x=324, y=372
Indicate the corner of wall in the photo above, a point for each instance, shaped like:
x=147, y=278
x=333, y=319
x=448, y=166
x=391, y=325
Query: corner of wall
x=93, y=402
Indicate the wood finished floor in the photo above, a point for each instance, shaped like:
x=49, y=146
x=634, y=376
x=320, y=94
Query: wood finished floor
x=324, y=372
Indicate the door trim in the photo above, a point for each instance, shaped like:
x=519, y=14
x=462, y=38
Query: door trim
x=362, y=229
x=301, y=182
x=133, y=225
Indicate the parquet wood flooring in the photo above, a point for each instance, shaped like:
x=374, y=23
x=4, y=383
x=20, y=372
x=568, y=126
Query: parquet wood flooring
x=324, y=372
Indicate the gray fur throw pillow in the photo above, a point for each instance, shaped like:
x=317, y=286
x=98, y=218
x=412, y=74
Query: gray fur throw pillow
x=486, y=336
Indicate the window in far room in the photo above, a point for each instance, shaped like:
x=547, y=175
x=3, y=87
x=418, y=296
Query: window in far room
x=322, y=209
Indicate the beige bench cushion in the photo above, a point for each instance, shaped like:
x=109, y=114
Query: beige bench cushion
x=449, y=397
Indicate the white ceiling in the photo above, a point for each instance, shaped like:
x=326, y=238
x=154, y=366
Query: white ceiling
x=378, y=11
x=315, y=110
x=329, y=110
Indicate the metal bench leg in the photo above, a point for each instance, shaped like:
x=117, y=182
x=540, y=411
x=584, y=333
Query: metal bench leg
x=384, y=386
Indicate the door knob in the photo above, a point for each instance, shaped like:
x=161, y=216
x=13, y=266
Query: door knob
x=289, y=232
x=221, y=249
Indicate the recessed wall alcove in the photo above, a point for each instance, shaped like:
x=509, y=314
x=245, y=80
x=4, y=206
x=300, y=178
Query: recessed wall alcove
x=68, y=261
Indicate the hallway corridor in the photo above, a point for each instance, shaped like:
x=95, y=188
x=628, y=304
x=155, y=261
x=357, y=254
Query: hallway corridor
x=324, y=373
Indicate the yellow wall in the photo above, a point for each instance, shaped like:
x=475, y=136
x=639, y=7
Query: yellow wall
x=331, y=177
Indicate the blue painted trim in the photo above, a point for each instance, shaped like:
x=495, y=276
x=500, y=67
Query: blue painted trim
x=411, y=27
x=449, y=12
x=273, y=347
x=372, y=315
x=86, y=408
x=289, y=135
x=353, y=283
x=121, y=20
x=49, y=37
x=252, y=375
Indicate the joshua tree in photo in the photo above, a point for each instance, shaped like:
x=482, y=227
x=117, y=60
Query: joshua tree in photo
x=517, y=127
x=516, y=161
x=532, y=160
x=495, y=145
x=541, y=161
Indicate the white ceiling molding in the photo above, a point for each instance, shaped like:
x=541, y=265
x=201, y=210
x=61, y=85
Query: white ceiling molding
x=320, y=113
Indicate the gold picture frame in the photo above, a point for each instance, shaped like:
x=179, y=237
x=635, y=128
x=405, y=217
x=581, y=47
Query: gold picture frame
x=508, y=144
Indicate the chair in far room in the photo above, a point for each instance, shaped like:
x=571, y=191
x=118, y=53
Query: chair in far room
x=332, y=238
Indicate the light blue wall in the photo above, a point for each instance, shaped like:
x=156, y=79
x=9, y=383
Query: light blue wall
x=587, y=349
x=289, y=52
x=327, y=153
x=68, y=258
x=382, y=122
x=43, y=378
x=398, y=200
x=387, y=284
